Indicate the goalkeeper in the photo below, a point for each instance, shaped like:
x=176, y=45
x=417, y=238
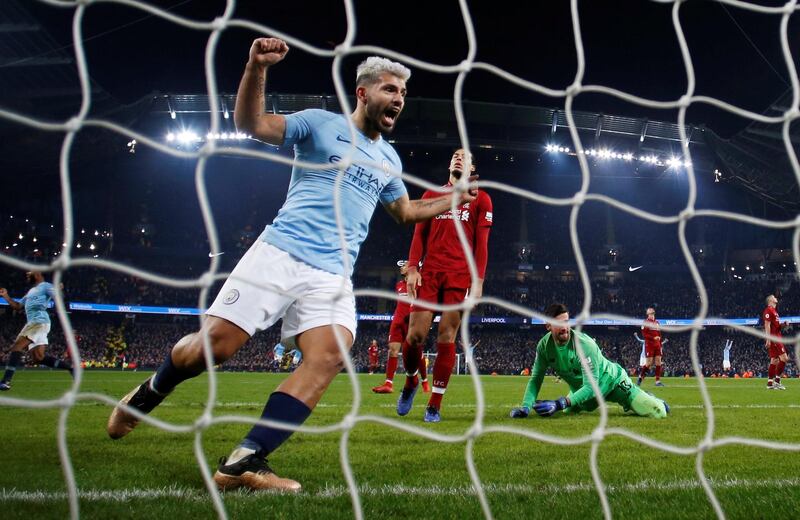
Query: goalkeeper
x=557, y=350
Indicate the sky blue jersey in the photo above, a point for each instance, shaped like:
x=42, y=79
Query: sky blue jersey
x=305, y=226
x=36, y=301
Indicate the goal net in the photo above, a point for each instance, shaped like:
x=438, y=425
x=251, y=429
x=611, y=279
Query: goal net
x=564, y=96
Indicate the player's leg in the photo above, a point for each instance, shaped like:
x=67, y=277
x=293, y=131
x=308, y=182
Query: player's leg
x=240, y=310
x=391, y=367
x=444, y=363
x=782, y=359
x=291, y=403
x=14, y=360
x=40, y=357
x=648, y=362
x=659, y=369
x=418, y=327
x=185, y=361
x=423, y=373
x=647, y=405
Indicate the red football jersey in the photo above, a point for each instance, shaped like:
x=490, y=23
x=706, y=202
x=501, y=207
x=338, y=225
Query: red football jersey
x=442, y=250
x=770, y=315
x=650, y=334
x=373, y=353
x=402, y=309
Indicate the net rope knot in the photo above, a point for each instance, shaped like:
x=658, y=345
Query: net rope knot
x=74, y=124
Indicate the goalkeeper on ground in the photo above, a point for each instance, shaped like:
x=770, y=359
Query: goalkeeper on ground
x=557, y=350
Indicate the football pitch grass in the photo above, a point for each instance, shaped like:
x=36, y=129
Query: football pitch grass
x=154, y=474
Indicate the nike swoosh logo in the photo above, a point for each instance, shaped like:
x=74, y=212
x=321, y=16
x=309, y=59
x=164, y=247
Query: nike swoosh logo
x=348, y=141
x=212, y=255
x=632, y=269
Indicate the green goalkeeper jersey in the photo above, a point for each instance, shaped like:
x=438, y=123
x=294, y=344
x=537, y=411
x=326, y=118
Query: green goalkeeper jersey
x=566, y=363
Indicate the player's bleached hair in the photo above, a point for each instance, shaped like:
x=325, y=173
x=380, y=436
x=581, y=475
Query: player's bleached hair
x=370, y=70
x=769, y=298
x=650, y=310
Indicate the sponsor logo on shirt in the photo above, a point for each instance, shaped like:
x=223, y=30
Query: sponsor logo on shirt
x=362, y=178
x=488, y=216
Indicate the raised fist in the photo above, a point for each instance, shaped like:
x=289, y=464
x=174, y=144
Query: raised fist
x=268, y=51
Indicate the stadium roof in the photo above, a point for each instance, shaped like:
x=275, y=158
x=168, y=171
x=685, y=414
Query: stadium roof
x=756, y=158
x=432, y=121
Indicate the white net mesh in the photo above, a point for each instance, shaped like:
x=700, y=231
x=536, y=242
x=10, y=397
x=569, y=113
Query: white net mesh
x=216, y=27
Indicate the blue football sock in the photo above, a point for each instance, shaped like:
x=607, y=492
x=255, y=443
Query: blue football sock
x=280, y=407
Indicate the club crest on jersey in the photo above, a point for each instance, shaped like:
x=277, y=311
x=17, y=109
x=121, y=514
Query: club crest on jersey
x=387, y=167
x=231, y=297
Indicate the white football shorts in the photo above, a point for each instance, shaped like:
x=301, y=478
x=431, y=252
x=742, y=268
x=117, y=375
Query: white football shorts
x=36, y=332
x=269, y=284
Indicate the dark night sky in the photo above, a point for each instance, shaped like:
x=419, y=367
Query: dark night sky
x=630, y=45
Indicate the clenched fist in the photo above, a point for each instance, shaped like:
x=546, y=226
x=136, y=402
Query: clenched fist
x=268, y=51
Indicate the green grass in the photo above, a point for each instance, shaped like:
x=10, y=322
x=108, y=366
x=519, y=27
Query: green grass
x=405, y=475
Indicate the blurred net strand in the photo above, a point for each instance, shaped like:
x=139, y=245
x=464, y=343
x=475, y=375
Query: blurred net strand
x=75, y=124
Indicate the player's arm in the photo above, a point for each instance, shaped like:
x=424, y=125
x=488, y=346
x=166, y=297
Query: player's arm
x=250, y=114
x=534, y=384
x=586, y=392
x=640, y=340
x=416, y=253
x=766, y=331
x=406, y=211
x=11, y=303
x=482, y=246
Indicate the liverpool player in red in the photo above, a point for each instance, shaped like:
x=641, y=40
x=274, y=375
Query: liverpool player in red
x=398, y=331
x=444, y=278
x=373, y=356
x=651, y=331
x=777, y=351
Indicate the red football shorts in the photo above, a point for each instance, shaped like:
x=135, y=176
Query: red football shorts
x=441, y=287
x=398, y=331
x=652, y=351
x=776, y=350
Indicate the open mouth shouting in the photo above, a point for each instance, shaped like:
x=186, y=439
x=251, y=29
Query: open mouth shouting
x=389, y=116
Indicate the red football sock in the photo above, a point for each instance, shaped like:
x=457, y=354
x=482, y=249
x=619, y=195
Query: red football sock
x=442, y=368
x=779, y=370
x=642, y=372
x=411, y=362
x=771, y=373
x=391, y=368
x=423, y=367
x=658, y=372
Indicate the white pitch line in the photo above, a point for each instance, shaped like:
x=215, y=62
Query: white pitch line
x=260, y=404
x=331, y=492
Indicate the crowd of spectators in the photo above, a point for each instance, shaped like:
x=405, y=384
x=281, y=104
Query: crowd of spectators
x=499, y=349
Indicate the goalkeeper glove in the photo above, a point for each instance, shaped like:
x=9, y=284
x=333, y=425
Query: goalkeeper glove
x=520, y=413
x=548, y=408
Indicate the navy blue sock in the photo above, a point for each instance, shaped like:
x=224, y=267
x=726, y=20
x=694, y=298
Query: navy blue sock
x=168, y=376
x=12, y=363
x=280, y=407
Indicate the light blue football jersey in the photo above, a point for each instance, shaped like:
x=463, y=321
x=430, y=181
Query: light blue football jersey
x=36, y=301
x=305, y=226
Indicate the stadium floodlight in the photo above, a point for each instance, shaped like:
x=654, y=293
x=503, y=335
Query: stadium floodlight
x=91, y=246
x=550, y=148
x=170, y=137
x=34, y=239
x=673, y=162
x=733, y=268
x=20, y=236
x=628, y=156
